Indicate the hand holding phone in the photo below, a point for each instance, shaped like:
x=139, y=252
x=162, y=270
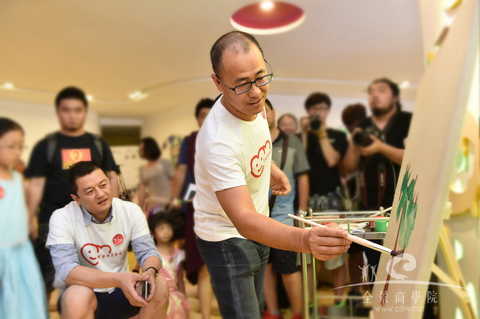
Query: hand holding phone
x=143, y=289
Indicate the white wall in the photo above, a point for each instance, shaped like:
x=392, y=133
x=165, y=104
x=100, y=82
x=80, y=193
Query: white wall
x=39, y=120
x=129, y=161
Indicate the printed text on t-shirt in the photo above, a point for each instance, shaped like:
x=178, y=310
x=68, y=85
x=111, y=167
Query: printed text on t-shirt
x=93, y=253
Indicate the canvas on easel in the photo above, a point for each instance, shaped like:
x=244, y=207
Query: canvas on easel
x=400, y=289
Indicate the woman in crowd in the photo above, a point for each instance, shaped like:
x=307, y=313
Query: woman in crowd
x=154, y=189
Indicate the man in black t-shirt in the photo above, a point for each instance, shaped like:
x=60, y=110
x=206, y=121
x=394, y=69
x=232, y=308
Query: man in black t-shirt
x=325, y=150
x=377, y=145
x=48, y=187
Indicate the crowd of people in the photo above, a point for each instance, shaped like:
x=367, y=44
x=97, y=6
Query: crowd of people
x=248, y=167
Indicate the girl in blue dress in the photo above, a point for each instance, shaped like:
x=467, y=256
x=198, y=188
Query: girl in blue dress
x=22, y=293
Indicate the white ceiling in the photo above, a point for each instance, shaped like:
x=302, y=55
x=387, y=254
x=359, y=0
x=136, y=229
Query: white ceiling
x=113, y=47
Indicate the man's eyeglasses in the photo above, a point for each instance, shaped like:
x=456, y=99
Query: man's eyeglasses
x=247, y=86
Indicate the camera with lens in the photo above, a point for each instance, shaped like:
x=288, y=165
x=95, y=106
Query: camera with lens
x=362, y=138
x=315, y=123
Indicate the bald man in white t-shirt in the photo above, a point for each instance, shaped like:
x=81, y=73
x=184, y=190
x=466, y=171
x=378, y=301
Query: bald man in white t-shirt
x=234, y=172
x=88, y=240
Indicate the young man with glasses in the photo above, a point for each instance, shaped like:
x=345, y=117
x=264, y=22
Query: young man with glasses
x=234, y=172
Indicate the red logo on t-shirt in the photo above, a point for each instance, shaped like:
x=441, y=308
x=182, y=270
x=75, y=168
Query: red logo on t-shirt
x=75, y=155
x=257, y=163
x=117, y=239
x=2, y=192
x=92, y=253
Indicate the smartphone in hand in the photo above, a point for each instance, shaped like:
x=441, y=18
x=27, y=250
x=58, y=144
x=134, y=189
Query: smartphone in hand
x=143, y=289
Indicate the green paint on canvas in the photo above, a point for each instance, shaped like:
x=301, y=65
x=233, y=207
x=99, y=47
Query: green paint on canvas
x=407, y=209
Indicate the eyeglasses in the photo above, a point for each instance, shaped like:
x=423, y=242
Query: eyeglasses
x=247, y=86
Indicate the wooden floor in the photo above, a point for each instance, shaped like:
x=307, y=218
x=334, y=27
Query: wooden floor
x=324, y=301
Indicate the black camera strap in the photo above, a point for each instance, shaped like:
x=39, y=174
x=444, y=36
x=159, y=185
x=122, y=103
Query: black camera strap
x=271, y=201
x=382, y=170
x=382, y=183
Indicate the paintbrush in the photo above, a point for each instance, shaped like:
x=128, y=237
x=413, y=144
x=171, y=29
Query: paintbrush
x=382, y=211
x=353, y=238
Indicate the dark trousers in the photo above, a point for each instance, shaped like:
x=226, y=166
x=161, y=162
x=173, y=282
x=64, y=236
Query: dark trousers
x=237, y=268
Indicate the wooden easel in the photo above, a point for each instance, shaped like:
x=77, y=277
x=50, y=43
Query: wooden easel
x=454, y=277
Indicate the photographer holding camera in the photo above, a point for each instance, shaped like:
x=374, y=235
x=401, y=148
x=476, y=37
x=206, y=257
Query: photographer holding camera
x=377, y=145
x=325, y=149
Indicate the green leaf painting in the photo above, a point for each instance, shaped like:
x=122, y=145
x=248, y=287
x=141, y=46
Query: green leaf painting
x=407, y=209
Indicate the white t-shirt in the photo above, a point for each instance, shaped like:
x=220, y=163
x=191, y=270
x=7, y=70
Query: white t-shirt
x=100, y=246
x=229, y=152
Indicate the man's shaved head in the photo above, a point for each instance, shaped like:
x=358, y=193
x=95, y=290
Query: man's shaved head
x=235, y=40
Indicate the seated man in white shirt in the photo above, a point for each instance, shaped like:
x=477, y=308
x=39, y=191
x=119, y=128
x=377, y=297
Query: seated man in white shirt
x=88, y=241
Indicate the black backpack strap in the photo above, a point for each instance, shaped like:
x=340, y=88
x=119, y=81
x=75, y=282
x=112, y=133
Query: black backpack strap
x=283, y=161
x=97, y=141
x=51, y=146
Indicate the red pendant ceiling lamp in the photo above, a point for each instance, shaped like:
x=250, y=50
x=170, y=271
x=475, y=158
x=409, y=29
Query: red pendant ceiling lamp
x=267, y=17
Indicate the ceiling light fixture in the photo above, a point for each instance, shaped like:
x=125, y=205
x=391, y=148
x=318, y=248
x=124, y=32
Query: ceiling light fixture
x=8, y=86
x=267, y=5
x=405, y=84
x=267, y=17
x=137, y=95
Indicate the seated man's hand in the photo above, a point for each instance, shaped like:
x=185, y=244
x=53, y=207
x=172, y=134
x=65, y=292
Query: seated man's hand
x=127, y=282
x=327, y=242
x=149, y=276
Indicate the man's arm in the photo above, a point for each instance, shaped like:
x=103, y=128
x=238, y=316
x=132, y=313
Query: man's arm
x=303, y=191
x=177, y=181
x=69, y=271
x=332, y=157
x=34, y=188
x=94, y=278
x=279, y=181
x=180, y=174
x=394, y=154
x=324, y=243
x=351, y=159
x=148, y=257
x=34, y=191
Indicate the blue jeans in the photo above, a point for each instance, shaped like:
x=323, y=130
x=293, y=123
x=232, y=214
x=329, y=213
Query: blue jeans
x=236, y=269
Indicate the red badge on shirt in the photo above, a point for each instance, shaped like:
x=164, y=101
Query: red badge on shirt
x=117, y=239
x=75, y=155
x=2, y=192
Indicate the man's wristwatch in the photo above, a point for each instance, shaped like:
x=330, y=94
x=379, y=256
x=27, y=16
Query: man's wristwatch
x=155, y=270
